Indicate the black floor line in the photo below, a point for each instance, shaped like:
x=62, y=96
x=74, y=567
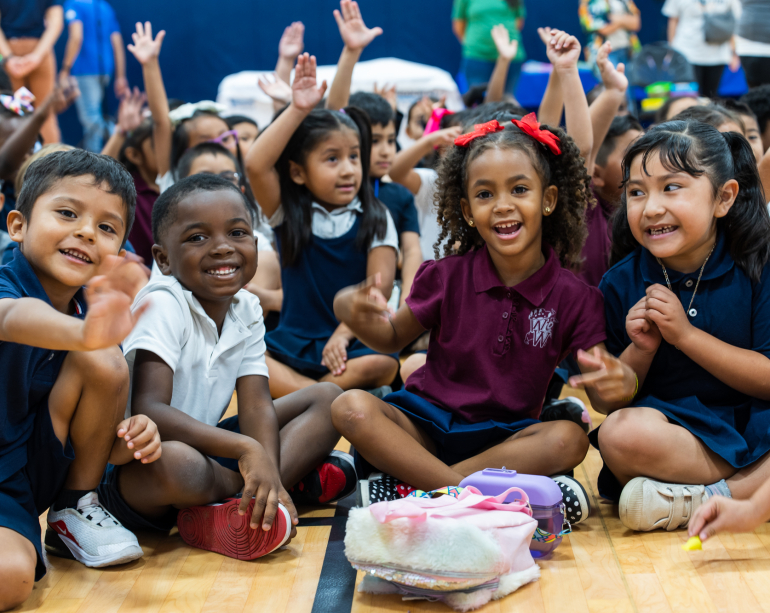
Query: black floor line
x=337, y=583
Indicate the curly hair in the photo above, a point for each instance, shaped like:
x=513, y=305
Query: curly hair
x=564, y=230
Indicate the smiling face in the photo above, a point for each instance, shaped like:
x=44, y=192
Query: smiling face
x=506, y=202
x=383, y=149
x=608, y=178
x=71, y=229
x=673, y=214
x=247, y=134
x=209, y=246
x=332, y=170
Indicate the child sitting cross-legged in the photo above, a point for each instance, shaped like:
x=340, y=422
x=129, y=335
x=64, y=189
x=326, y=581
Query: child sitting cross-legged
x=65, y=382
x=203, y=338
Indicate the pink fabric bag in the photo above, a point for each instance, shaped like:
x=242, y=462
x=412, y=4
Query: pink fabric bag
x=463, y=551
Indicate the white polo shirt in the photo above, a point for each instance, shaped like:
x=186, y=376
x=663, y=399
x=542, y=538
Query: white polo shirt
x=205, y=364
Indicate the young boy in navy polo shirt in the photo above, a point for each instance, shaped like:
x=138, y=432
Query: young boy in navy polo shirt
x=397, y=198
x=65, y=382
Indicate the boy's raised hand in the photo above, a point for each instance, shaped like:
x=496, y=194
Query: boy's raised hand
x=613, y=77
x=292, y=41
x=109, y=319
x=606, y=374
x=145, y=48
x=353, y=30
x=506, y=48
x=130, y=110
x=141, y=435
x=389, y=93
x=644, y=334
x=304, y=93
x=562, y=49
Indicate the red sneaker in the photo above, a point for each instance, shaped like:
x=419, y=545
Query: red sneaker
x=330, y=481
x=218, y=527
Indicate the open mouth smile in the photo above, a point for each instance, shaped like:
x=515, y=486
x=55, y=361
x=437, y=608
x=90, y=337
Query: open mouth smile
x=508, y=229
x=76, y=254
x=661, y=230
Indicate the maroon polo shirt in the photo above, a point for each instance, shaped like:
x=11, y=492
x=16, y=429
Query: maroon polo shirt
x=596, y=251
x=493, y=349
x=141, y=232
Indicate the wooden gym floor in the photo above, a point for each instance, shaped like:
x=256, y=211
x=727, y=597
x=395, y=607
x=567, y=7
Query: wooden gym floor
x=601, y=567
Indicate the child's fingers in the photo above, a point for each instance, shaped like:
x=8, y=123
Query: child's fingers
x=338, y=18
x=588, y=360
x=588, y=379
x=159, y=38
x=154, y=456
x=149, y=448
x=142, y=438
x=123, y=427
x=289, y=504
x=136, y=425
x=267, y=516
x=148, y=28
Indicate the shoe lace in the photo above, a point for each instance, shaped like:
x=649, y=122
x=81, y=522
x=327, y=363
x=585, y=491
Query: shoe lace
x=96, y=513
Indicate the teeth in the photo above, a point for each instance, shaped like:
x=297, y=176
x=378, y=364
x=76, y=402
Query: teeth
x=221, y=271
x=655, y=231
x=508, y=225
x=76, y=254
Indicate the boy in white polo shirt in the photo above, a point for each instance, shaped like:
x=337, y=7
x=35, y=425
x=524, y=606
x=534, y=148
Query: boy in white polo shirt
x=202, y=338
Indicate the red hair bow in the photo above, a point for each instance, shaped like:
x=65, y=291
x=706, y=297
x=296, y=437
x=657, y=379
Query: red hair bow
x=529, y=125
x=480, y=129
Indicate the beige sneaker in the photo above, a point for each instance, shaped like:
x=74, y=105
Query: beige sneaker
x=651, y=505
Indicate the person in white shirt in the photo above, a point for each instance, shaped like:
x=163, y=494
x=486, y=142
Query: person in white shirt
x=201, y=339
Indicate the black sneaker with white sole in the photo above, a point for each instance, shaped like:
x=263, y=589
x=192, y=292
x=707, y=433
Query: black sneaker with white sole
x=567, y=409
x=380, y=487
x=577, y=507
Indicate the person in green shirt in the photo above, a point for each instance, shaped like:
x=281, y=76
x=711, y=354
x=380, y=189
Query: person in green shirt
x=472, y=22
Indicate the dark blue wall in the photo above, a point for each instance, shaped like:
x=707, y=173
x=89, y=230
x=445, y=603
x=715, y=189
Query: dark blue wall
x=209, y=39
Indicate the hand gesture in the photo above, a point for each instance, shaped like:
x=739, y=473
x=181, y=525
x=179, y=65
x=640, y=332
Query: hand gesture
x=562, y=49
x=121, y=87
x=506, y=48
x=130, y=110
x=277, y=89
x=612, y=379
x=262, y=482
x=141, y=434
x=292, y=41
x=368, y=303
x=389, y=93
x=642, y=332
x=613, y=77
x=720, y=514
x=447, y=136
x=145, y=48
x=109, y=318
x=62, y=97
x=304, y=93
x=335, y=354
x=353, y=30
x=666, y=311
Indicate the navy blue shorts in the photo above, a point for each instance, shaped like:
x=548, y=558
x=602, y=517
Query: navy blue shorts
x=456, y=439
x=111, y=498
x=28, y=493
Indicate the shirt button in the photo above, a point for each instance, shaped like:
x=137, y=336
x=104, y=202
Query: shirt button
x=500, y=339
x=505, y=315
x=692, y=312
x=508, y=294
x=689, y=283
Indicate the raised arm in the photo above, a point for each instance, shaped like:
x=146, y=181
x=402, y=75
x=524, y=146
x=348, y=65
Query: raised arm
x=118, y=52
x=402, y=170
x=506, y=51
x=147, y=51
x=356, y=37
x=129, y=118
x=264, y=153
x=292, y=43
x=552, y=104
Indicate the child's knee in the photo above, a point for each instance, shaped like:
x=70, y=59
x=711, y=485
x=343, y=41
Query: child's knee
x=412, y=363
x=326, y=393
x=351, y=411
x=568, y=441
x=377, y=370
x=620, y=434
x=17, y=568
x=105, y=368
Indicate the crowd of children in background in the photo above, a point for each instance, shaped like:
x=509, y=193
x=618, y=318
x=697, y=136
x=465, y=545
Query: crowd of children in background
x=427, y=304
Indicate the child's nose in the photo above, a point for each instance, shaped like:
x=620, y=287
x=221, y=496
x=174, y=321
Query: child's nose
x=223, y=247
x=86, y=231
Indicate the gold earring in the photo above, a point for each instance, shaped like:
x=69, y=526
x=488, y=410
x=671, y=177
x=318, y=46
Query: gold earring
x=547, y=210
x=470, y=223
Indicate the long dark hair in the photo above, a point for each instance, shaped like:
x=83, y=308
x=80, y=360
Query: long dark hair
x=700, y=149
x=295, y=233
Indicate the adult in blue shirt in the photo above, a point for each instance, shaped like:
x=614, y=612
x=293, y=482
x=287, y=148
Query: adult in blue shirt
x=94, y=51
x=28, y=31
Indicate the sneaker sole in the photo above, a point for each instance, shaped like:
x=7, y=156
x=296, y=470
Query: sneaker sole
x=129, y=553
x=348, y=459
x=220, y=529
x=580, y=493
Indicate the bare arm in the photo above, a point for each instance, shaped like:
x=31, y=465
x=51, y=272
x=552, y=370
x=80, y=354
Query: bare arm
x=256, y=415
x=402, y=171
x=129, y=118
x=410, y=247
x=673, y=22
x=118, y=52
x=54, y=24
x=72, y=50
x=552, y=104
x=458, y=27
x=292, y=43
x=5, y=48
x=506, y=51
x=382, y=261
x=266, y=284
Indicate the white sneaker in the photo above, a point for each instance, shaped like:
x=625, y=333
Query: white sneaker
x=94, y=537
x=650, y=505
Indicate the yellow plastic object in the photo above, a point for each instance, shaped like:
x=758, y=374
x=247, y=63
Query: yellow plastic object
x=693, y=544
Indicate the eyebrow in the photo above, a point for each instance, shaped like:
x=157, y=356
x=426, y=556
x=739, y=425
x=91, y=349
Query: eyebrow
x=81, y=203
x=479, y=182
x=237, y=220
x=192, y=226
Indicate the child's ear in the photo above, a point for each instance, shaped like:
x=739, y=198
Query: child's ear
x=16, y=224
x=134, y=156
x=550, y=199
x=297, y=173
x=598, y=176
x=726, y=198
x=161, y=259
x=466, y=209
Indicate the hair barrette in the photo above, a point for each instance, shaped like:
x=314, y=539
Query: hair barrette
x=480, y=129
x=529, y=125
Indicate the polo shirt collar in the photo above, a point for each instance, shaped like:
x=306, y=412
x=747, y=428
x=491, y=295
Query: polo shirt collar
x=718, y=265
x=197, y=308
x=535, y=289
x=354, y=206
x=31, y=285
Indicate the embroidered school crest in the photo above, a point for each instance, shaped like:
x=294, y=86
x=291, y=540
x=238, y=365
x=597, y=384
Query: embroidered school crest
x=541, y=323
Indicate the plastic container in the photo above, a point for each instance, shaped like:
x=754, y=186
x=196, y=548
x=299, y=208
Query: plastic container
x=544, y=497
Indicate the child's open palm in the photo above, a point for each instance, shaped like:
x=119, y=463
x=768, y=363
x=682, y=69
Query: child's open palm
x=506, y=48
x=278, y=89
x=304, y=93
x=109, y=319
x=562, y=49
x=292, y=41
x=613, y=77
x=353, y=30
x=145, y=48
x=130, y=110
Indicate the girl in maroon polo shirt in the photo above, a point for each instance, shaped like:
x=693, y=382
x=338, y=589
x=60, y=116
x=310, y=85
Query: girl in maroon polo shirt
x=502, y=309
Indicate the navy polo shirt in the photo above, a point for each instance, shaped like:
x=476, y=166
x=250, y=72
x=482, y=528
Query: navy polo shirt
x=99, y=23
x=400, y=203
x=24, y=18
x=28, y=373
x=728, y=305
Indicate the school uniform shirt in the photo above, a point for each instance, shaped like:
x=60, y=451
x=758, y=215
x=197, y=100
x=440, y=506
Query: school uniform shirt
x=400, y=203
x=493, y=349
x=141, y=232
x=596, y=251
x=206, y=364
x=29, y=373
x=729, y=306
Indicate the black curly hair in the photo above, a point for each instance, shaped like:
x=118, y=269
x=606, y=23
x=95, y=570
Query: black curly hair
x=564, y=230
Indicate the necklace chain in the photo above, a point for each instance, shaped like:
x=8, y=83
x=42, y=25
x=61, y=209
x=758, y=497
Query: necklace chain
x=697, y=283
